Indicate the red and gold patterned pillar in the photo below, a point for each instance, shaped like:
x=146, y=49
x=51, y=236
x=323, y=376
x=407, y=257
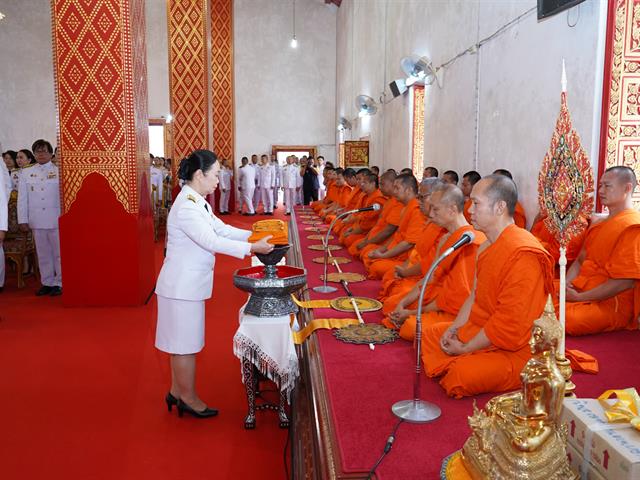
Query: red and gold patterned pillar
x=188, y=79
x=222, y=87
x=620, y=130
x=106, y=227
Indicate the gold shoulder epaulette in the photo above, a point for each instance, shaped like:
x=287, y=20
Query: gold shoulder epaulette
x=192, y=198
x=29, y=166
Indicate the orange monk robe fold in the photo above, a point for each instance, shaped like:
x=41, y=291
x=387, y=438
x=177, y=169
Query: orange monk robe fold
x=410, y=230
x=451, y=283
x=390, y=215
x=612, y=251
x=344, y=192
x=330, y=197
x=355, y=201
x=519, y=217
x=366, y=220
x=391, y=284
x=551, y=245
x=514, y=277
x=466, y=213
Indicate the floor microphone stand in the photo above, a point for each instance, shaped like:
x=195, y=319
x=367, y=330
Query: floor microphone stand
x=324, y=288
x=417, y=410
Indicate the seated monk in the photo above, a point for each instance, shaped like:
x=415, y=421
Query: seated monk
x=519, y=216
x=406, y=275
x=329, y=180
x=387, y=222
x=551, y=245
x=363, y=222
x=355, y=200
x=601, y=282
x=451, y=282
x=469, y=179
x=396, y=249
x=486, y=346
x=343, y=190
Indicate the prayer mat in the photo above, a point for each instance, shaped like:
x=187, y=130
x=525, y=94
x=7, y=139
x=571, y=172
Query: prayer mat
x=350, y=277
x=321, y=247
x=319, y=237
x=332, y=259
x=364, y=304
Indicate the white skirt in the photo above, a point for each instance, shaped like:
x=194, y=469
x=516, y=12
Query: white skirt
x=180, y=328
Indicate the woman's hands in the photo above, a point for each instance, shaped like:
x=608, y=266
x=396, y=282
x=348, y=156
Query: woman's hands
x=262, y=245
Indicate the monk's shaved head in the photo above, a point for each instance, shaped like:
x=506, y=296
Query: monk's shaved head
x=388, y=175
x=408, y=181
x=450, y=194
x=428, y=184
x=501, y=188
x=623, y=175
x=504, y=172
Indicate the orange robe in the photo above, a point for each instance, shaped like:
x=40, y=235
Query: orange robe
x=330, y=197
x=514, y=275
x=366, y=220
x=519, y=217
x=612, y=251
x=450, y=285
x=355, y=201
x=467, y=206
x=343, y=194
x=551, y=245
x=410, y=230
x=390, y=215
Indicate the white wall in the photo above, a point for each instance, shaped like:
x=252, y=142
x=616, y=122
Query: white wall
x=284, y=95
x=157, y=58
x=506, y=96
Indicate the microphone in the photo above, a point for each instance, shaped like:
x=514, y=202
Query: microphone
x=467, y=237
x=374, y=207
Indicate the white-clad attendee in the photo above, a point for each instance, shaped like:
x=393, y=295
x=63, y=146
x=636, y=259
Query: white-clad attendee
x=246, y=186
x=289, y=180
x=226, y=175
x=319, y=163
x=277, y=168
x=194, y=236
x=300, y=179
x=39, y=209
x=267, y=184
x=5, y=190
x=256, y=192
x=156, y=175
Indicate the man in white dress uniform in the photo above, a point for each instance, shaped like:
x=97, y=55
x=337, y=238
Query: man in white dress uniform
x=289, y=181
x=247, y=185
x=256, y=192
x=226, y=175
x=299, y=179
x=39, y=208
x=276, y=167
x=267, y=184
x=5, y=190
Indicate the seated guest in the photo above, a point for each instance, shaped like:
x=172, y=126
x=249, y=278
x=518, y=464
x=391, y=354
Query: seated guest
x=430, y=172
x=602, y=280
x=487, y=345
x=469, y=179
x=363, y=222
x=519, y=216
x=403, y=277
x=387, y=222
x=451, y=283
x=411, y=227
x=450, y=177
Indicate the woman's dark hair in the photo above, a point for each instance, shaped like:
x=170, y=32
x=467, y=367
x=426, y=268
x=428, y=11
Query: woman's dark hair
x=198, y=160
x=13, y=154
x=29, y=155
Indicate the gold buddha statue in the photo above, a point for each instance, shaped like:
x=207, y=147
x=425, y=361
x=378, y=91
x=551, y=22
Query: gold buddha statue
x=519, y=435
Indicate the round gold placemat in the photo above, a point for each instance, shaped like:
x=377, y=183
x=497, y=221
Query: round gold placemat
x=365, y=304
x=350, y=277
x=319, y=237
x=331, y=259
x=321, y=247
x=312, y=222
x=364, y=333
x=318, y=228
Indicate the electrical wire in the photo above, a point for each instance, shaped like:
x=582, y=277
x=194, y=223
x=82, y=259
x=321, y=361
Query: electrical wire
x=387, y=449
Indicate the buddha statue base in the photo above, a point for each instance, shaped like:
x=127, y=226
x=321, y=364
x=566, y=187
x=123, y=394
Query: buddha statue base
x=565, y=368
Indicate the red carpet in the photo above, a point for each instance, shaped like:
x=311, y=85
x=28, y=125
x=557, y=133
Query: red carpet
x=363, y=385
x=82, y=393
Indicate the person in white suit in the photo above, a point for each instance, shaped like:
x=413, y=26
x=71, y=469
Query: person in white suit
x=39, y=209
x=247, y=185
x=289, y=180
x=256, y=192
x=267, y=184
x=276, y=168
x=226, y=175
x=5, y=190
x=195, y=235
x=299, y=181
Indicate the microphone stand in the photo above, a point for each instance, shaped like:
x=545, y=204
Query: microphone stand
x=417, y=410
x=324, y=288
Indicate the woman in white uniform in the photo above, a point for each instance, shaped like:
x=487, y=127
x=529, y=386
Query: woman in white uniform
x=195, y=235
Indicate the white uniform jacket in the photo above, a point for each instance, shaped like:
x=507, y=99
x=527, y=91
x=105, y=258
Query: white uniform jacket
x=289, y=176
x=195, y=235
x=225, y=176
x=267, y=176
x=39, y=196
x=247, y=177
x=5, y=191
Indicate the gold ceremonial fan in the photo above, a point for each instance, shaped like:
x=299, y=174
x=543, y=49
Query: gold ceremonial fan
x=321, y=247
x=331, y=260
x=364, y=304
x=350, y=277
x=319, y=237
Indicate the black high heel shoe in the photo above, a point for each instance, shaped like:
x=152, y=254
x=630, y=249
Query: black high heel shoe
x=170, y=400
x=207, y=412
